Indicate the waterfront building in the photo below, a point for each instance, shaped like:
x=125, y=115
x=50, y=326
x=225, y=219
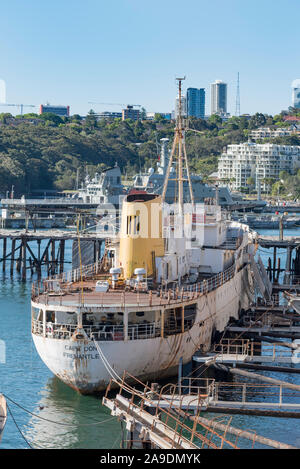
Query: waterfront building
x=259, y=161
x=296, y=93
x=195, y=102
x=130, y=113
x=218, y=97
x=62, y=111
x=266, y=132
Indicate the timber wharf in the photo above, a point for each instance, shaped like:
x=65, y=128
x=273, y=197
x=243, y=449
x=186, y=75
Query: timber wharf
x=21, y=255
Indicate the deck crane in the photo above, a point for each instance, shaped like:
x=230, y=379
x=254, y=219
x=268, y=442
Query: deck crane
x=21, y=106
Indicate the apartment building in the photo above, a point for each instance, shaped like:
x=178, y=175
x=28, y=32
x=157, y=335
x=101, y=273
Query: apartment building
x=259, y=161
x=266, y=132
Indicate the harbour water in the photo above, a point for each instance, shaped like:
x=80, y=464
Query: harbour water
x=63, y=418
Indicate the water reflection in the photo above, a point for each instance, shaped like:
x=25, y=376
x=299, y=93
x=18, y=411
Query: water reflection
x=58, y=403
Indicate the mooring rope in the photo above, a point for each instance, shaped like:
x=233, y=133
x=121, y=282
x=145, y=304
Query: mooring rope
x=19, y=429
x=57, y=423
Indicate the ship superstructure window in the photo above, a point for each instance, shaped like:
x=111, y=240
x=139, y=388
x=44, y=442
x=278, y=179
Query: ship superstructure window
x=133, y=224
x=137, y=224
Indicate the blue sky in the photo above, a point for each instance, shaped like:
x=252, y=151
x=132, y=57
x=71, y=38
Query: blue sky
x=130, y=51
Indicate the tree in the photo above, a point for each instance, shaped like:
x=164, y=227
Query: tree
x=258, y=120
x=5, y=117
x=50, y=117
x=250, y=182
x=215, y=119
x=91, y=120
x=143, y=113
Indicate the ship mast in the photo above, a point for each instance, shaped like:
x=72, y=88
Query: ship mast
x=179, y=149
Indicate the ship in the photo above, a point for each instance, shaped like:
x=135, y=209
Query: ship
x=103, y=189
x=167, y=286
x=267, y=221
x=153, y=181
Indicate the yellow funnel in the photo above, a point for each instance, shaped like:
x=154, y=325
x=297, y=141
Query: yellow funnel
x=141, y=238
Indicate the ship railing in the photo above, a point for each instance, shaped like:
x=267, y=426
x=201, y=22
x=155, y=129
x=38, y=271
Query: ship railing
x=75, y=275
x=191, y=386
x=37, y=327
x=211, y=283
x=234, y=347
x=56, y=282
x=98, y=332
x=256, y=392
x=165, y=416
x=178, y=294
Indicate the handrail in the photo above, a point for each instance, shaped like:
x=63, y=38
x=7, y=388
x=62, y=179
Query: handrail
x=177, y=294
x=100, y=332
x=182, y=432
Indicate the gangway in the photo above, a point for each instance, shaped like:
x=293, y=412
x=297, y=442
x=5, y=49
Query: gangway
x=244, y=351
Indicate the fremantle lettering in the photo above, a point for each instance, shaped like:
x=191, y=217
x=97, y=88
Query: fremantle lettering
x=81, y=353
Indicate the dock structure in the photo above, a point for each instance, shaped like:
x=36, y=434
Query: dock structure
x=292, y=267
x=233, y=351
x=44, y=212
x=160, y=418
x=152, y=425
x=22, y=256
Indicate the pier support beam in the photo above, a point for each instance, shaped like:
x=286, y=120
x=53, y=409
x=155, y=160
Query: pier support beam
x=52, y=269
x=3, y=254
x=287, y=274
x=13, y=248
x=23, y=259
x=62, y=256
x=274, y=263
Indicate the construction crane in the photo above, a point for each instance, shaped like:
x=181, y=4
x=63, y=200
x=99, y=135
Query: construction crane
x=21, y=106
x=116, y=104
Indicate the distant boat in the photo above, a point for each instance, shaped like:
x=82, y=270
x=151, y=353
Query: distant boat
x=3, y=414
x=266, y=221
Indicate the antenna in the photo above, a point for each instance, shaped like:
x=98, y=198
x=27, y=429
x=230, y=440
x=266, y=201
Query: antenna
x=237, y=100
x=179, y=146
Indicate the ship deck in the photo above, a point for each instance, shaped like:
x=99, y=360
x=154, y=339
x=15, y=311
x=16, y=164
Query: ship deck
x=82, y=293
x=85, y=294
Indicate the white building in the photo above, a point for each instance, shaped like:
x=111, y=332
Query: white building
x=218, y=97
x=259, y=161
x=266, y=132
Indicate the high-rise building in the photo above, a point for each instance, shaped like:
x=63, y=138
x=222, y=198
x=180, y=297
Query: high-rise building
x=195, y=102
x=218, y=97
x=63, y=111
x=130, y=113
x=296, y=94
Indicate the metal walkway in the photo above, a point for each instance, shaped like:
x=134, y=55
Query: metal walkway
x=244, y=351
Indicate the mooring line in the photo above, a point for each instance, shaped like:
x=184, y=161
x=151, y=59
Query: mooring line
x=58, y=423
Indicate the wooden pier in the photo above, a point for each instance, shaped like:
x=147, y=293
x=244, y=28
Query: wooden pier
x=21, y=256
